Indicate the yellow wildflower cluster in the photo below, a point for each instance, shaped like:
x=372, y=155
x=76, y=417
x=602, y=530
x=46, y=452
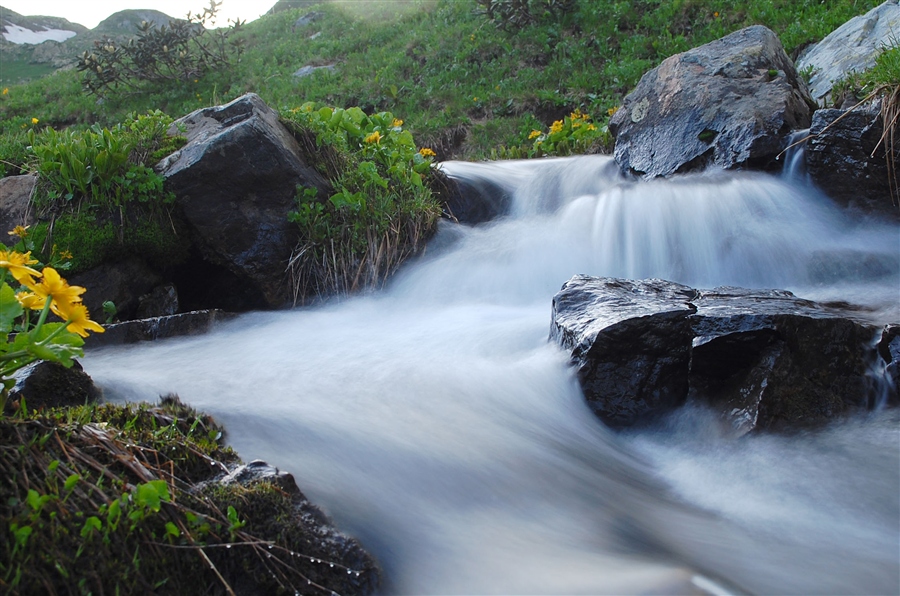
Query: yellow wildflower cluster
x=375, y=137
x=34, y=120
x=534, y=134
x=426, y=152
x=397, y=123
x=556, y=127
x=5, y=91
x=48, y=286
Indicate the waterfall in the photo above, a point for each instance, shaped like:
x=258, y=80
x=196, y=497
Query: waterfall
x=435, y=422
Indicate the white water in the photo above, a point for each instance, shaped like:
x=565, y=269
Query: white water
x=435, y=422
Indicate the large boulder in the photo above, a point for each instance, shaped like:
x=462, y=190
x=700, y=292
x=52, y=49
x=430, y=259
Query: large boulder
x=730, y=103
x=846, y=158
x=852, y=47
x=122, y=282
x=236, y=181
x=764, y=359
x=45, y=385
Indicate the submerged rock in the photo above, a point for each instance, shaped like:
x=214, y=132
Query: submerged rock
x=764, y=359
x=729, y=103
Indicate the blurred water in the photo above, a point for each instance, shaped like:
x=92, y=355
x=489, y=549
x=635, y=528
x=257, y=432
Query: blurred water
x=435, y=422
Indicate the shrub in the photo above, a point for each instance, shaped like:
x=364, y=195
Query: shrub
x=381, y=212
x=181, y=51
x=514, y=14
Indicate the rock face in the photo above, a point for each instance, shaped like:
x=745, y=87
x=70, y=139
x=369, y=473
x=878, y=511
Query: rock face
x=729, y=103
x=851, y=47
x=764, y=359
x=15, y=202
x=122, y=282
x=235, y=181
x=846, y=159
x=188, y=323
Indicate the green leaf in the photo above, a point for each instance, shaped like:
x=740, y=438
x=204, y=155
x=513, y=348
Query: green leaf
x=91, y=524
x=172, y=530
x=10, y=309
x=71, y=481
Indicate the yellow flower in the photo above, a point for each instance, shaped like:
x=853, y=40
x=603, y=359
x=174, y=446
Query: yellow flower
x=30, y=301
x=20, y=231
x=6, y=91
x=426, y=152
x=612, y=110
x=34, y=120
x=397, y=123
x=78, y=319
x=58, y=289
x=556, y=127
x=17, y=264
x=533, y=134
x=474, y=99
x=591, y=127
x=66, y=255
x=716, y=15
x=472, y=37
x=375, y=137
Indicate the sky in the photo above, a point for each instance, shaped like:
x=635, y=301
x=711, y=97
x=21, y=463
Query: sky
x=90, y=12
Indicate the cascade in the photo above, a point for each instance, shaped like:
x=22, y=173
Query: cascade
x=434, y=421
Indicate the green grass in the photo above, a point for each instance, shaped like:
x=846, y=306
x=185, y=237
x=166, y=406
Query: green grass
x=444, y=68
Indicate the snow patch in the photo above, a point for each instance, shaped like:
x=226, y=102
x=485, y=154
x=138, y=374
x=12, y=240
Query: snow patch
x=16, y=34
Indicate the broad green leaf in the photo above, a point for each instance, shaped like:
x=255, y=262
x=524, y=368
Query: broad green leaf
x=10, y=309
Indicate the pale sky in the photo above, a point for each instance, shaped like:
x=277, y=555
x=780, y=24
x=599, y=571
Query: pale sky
x=90, y=12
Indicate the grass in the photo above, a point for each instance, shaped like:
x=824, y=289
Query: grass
x=443, y=67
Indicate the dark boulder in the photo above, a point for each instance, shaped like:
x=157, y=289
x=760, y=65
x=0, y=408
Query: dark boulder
x=846, y=159
x=764, y=359
x=236, y=181
x=52, y=385
x=630, y=343
x=730, y=103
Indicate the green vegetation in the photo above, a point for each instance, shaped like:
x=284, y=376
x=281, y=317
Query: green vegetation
x=98, y=197
x=489, y=87
x=108, y=499
x=381, y=212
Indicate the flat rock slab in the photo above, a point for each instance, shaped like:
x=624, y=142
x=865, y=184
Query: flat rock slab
x=730, y=103
x=764, y=359
x=189, y=323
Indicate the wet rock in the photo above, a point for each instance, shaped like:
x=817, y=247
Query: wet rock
x=630, y=343
x=473, y=199
x=15, y=202
x=846, y=159
x=730, y=103
x=852, y=47
x=51, y=385
x=235, y=181
x=764, y=359
x=889, y=349
x=129, y=332
x=340, y=562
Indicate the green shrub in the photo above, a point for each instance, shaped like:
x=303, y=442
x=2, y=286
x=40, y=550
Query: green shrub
x=381, y=211
x=181, y=51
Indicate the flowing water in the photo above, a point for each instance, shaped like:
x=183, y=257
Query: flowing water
x=434, y=420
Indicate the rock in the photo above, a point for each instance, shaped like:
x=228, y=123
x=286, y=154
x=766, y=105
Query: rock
x=845, y=158
x=851, y=47
x=161, y=301
x=305, y=71
x=15, y=202
x=889, y=349
x=307, y=19
x=235, y=181
x=324, y=542
x=471, y=199
x=129, y=332
x=764, y=359
x=730, y=103
x=121, y=282
x=630, y=343
x=50, y=385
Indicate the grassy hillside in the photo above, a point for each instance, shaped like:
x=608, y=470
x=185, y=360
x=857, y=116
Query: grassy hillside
x=462, y=84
